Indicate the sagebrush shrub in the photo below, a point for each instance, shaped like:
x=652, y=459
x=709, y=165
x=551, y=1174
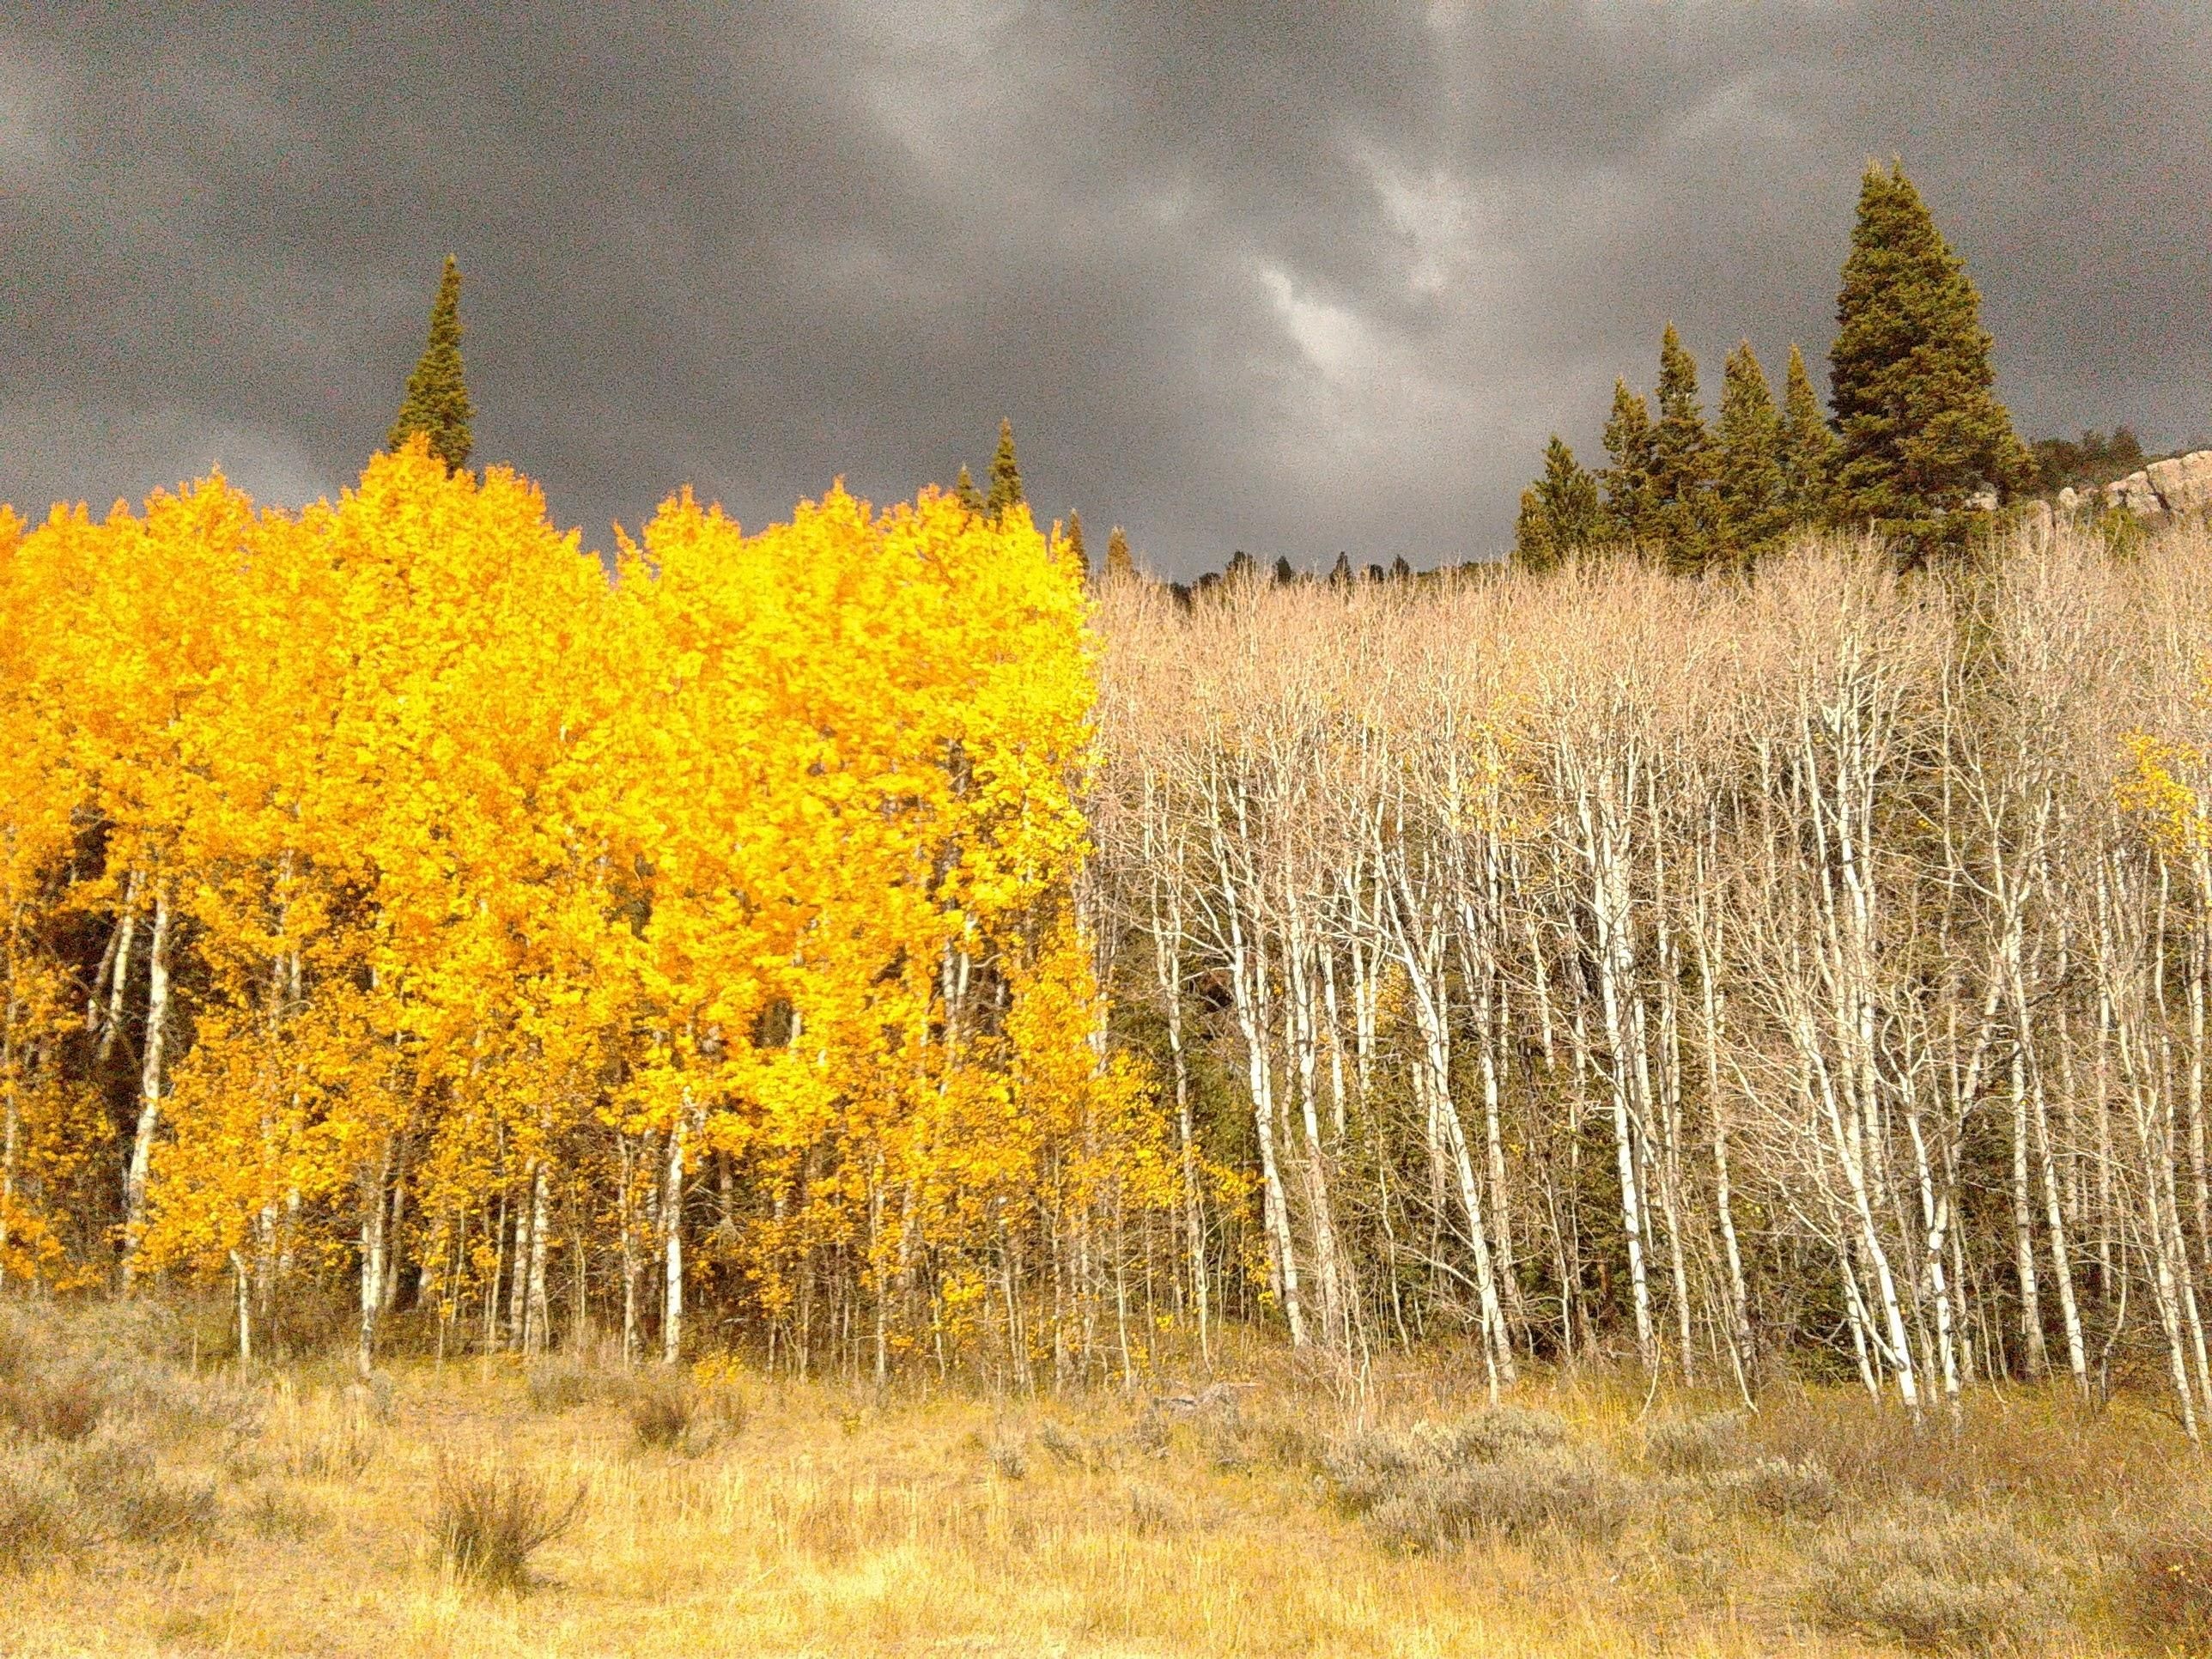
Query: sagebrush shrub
x=564, y=1384
x=65, y=1372
x=67, y=1499
x=1060, y=1446
x=1697, y=1445
x=1779, y=1488
x=1568, y=1491
x=1933, y=1581
x=1508, y=1471
x=1005, y=1455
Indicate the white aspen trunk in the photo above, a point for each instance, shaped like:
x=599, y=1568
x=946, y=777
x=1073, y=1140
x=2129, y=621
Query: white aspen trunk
x=2200, y=941
x=126, y=930
x=2030, y=1303
x=394, y=1235
x=149, y=1085
x=1305, y=1053
x=1167, y=958
x=1423, y=962
x=243, y=1307
x=10, y=1122
x=518, y=1284
x=1247, y=982
x=629, y=1253
x=1332, y=1028
x=536, y=1315
x=2062, y=1268
x=2120, y=969
x=1706, y=939
x=672, y=1239
x=1483, y=989
x=1895, y=1342
x=1614, y=961
x=1855, y=1313
x=1667, y=973
x=372, y=1184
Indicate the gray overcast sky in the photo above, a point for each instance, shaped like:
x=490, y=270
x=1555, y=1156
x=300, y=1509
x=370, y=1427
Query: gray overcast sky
x=1288, y=277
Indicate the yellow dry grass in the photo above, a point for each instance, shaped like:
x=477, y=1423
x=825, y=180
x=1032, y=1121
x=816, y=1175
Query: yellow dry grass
x=830, y=1523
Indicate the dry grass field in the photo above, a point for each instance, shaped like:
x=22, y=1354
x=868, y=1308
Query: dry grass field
x=149, y=1507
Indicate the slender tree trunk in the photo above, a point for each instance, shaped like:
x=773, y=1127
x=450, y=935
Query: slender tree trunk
x=125, y=929
x=149, y=1085
x=373, y=1213
x=671, y=1225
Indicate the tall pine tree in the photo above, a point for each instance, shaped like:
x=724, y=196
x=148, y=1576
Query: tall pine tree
x=437, y=403
x=1809, y=449
x=1075, y=544
x=1910, y=375
x=1119, y=565
x=965, y=492
x=1748, y=461
x=1005, y=474
x=1559, y=514
x=1682, y=460
x=1631, y=507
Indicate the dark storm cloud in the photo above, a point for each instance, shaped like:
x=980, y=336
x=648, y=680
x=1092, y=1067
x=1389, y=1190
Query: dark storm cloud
x=1284, y=277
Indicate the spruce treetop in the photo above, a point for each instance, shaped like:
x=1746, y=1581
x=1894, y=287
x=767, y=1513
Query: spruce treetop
x=965, y=492
x=1910, y=374
x=1075, y=544
x=1559, y=513
x=1118, y=562
x=1631, y=502
x=437, y=402
x=1681, y=461
x=1747, y=457
x=1808, y=447
x=1005, y=474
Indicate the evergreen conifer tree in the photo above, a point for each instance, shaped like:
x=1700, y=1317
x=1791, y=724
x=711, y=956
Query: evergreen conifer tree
x=1910, y=376
x=1118, y=562
x=1286, y=575
x=1681, y=459
x=1631, y=506
x=1005, y=474
x=437, y=403
x=1808, y=448
x=1075, y=544
x=1400, y=570
x=1535, y=545
x=1339, y=575
x=1240, y=566
x=1559, y=513
x=965, y=492
x=1747, y=457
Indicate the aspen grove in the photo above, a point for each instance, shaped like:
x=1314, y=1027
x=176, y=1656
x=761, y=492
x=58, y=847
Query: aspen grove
x=395, y=901
x=856, y=944
x=1803, y=975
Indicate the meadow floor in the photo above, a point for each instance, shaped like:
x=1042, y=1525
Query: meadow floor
x=290, y=1511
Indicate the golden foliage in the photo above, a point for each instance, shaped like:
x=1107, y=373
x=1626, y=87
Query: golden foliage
x=501, y=881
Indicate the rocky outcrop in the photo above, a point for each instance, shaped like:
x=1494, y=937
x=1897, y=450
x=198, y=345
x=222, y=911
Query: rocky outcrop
x=2182, y=484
